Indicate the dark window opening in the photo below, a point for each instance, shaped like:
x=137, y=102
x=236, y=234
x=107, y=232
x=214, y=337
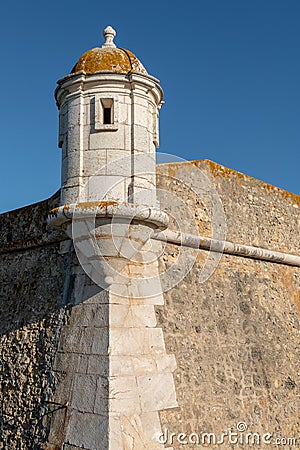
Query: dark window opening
x=107, y=116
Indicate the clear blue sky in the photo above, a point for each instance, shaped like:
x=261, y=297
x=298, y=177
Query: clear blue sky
x=230, y=70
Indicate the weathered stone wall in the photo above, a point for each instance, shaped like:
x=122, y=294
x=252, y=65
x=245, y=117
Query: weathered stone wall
x=235, y=337
x=33, y=293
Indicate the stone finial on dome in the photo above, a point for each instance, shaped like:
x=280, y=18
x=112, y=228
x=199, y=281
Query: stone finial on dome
x=109, y=33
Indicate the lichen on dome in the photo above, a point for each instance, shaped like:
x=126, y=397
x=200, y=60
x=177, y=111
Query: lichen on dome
x=108, y=58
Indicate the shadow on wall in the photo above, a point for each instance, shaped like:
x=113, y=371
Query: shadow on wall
x=37, y=298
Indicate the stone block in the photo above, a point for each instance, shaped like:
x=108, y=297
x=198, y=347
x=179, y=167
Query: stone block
x=141, y=139
x=94, y=162
x=63, y=388
x=92, y=315
x=84, y=392
x=87, y=292
x=60, y=361
x=82, y=364
x=124, y=113
x=104, y=139
x=106, y=188
x=69, y=339
x=86, y=340
x=145, y=181
x=118, y=405
x=74, y=101
x=76, y=340
x=94, y=295
x=121, y=366
x=120, y=154
x=166, y=363
x=122, y=387
x=136, y=436
x=157, y=392
x=87, y=430
x=115, y=433
x=85, y=137
x=121, y=396
x=100, y=341
x=141, y=113
x=99, y=364
x=145, y=165
x=67, y=362
x=141, y=99
x=144, y=196
x=74, y=138
x=70, y=194
x=81, y=227
x=132, y=316
x=151, y=426
x=144, y=365
x=119, y=164
x=107, y=228
x=86, y=112
x=130, y=247
x=136, y=341
x=75, y=115
x=109, y=247
x=84, y=247
x=148, y=289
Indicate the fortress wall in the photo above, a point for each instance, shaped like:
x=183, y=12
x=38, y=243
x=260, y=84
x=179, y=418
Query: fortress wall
x=33, y=280
x=236, y=336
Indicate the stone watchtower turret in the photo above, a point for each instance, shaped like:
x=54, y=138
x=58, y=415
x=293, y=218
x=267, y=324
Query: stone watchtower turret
x=108, y=111
x=108, y=133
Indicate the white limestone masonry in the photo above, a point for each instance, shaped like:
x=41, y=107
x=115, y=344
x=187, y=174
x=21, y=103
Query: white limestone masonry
x=90, y=149
x=114, y=375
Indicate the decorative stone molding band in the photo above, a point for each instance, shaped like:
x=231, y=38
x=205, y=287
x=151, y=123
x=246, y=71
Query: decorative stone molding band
x=61, y=216
x=214, y=245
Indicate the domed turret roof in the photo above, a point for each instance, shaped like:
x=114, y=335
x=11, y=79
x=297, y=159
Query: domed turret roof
x=108, y=58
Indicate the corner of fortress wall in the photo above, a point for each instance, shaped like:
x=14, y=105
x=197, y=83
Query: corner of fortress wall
x=235, y=337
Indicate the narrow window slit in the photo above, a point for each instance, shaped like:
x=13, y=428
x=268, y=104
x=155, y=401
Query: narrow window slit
x=107, y=116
